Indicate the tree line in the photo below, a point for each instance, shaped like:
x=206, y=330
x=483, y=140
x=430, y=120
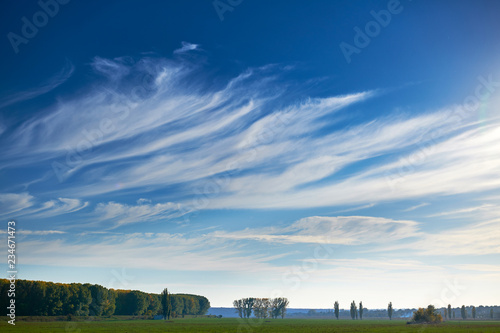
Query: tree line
x=430, y=314
x=262, y=307
x=40, y=298
x=354, y=312
x=482, y=312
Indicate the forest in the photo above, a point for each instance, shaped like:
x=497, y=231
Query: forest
x=40, y=298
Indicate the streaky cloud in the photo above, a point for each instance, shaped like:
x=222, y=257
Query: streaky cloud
x=24, y=204
x=186, y=47
x=342, y=230
x=62, y=76
x=145, y=211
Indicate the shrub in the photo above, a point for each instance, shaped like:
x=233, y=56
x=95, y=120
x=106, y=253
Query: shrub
x=429, y=315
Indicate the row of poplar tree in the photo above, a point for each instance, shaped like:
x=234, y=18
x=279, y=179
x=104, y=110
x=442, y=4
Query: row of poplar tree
x=463, y=311
x=261, y=307
x=39, y=298
x=355, y=312
x=447, y=313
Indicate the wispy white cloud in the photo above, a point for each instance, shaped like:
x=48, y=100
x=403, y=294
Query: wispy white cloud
x=416, y=207
x=355, y=208
x=477, y=239
x=112, y=69
x=344, y=230
x=186, y=47
x=11, y=203
x=464, y=210
x=177, y=135
x=463, y=163
x=153, y=124
x=479, y=268
x=3, y=125
x=378, y=267
x=480, y=238
x=58, y=207
x=24, y=204
x=52, y=83
x=160, y=251
x=144, y=211
x=358, y=274
x=35, y=232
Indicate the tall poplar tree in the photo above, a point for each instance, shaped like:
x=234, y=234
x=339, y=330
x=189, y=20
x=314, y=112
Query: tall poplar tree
x=166, y=304
x=336, y=309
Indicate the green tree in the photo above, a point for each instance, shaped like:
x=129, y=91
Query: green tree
x=154, y=305
x=65, y=297
x=266, y=305
x=74, y=306
x=185, y=310
x=84, y=299
x=429, y=315
x=390, y=310
x=193, y=306
x=473, y=312
x=449, y=311
x=257, y=304
x=261, y=307
x=203, y=305
x=4, y=290
x=53, y=303
x=99, y=301
x=177, y=305
x=248, y=306
x=40, y=298
x=283, y=305
x=22, y=296
x=238, y=305
x=336, y=309
x=274, y=310
x=166, y=304
x=463, y=311
x=37, y=294
x=139, y=302
x=278, y=307
x=109, y=306
x=354, y=310
x=361, y=310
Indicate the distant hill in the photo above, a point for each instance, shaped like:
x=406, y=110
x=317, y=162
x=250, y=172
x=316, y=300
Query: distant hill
x=298, y=312
x=482, y=313
x=225, y=312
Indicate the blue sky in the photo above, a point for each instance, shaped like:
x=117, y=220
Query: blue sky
x=321, y=151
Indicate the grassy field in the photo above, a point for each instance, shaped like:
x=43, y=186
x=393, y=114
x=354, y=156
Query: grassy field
x=237, y=325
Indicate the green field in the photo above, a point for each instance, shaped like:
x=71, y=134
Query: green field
x=238, y=325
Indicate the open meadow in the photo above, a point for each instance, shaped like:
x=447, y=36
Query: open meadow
x=252, y=325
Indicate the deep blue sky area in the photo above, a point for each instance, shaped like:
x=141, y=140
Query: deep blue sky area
x=416, y=44
x=236, y=140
